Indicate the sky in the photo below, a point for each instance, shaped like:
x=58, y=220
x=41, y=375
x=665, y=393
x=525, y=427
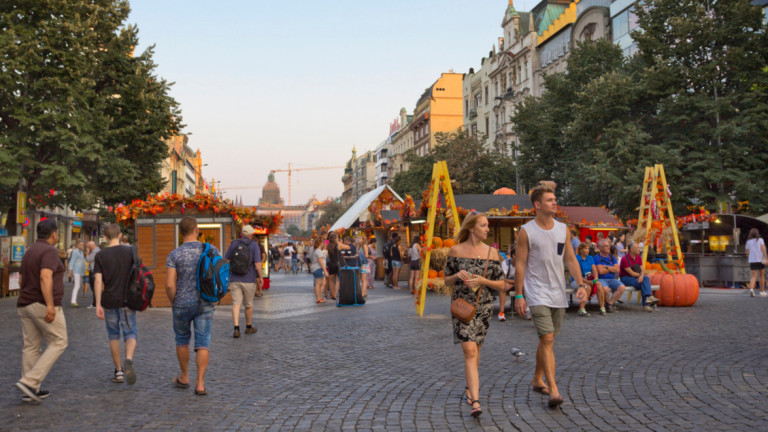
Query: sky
x=262, y=84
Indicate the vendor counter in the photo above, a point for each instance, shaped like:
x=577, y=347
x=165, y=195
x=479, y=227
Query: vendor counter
x=715, y=269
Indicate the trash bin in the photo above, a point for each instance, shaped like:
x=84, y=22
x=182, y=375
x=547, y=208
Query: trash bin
x=350, y=287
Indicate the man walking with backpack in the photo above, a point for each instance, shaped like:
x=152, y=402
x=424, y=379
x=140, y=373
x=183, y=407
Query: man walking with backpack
x=244, y=258
x=112, y=270
x=189, y=308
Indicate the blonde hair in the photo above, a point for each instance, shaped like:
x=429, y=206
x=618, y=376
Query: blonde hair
x=544, y=186
x=469, y=222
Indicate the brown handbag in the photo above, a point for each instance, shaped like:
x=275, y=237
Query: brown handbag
x=463, y=310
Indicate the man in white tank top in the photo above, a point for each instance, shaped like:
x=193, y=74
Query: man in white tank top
x=542, y=246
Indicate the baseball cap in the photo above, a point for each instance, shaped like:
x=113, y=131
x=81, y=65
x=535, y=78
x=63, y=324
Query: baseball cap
x=248, y=230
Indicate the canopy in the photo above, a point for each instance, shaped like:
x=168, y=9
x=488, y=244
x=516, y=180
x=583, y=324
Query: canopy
x=359, y=210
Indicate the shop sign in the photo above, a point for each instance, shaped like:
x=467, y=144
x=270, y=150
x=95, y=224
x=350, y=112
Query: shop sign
x=17, y=248
x=693, y=226
x=21, y=205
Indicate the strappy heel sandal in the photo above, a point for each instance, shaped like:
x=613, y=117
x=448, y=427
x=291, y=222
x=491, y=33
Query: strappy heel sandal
x=476, y=411
x=466, y=395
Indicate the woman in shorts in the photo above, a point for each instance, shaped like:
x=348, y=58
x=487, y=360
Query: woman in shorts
x=757, y=257
x=317, y=267
x=414, y=253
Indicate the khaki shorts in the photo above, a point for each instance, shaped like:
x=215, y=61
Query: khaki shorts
x=242, y=293
x=547, y=320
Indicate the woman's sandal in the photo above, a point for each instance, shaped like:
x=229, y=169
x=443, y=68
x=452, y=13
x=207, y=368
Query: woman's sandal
x=476, y=411
x=466, y=394
x=541, y=389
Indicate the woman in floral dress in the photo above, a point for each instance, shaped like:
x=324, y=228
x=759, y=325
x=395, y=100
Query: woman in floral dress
x=465, y=270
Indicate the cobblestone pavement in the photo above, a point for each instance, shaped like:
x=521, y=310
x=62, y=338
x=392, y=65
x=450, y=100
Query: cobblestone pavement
x=382, y=368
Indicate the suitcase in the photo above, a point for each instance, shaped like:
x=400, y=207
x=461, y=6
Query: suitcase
x=350, y=287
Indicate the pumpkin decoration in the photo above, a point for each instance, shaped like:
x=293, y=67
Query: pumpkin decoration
x=676, y=289
x=432, y=274
x=437, y=242
x=441, y=274
x=449, y=243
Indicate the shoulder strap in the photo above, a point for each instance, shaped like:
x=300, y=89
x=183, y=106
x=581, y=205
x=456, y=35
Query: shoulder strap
x=135, y=251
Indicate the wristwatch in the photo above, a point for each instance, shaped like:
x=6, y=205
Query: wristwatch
x=582, y=286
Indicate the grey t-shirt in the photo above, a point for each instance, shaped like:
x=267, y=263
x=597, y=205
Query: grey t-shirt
x=185, y=259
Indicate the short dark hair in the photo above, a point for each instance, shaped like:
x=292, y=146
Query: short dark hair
x=395, y=235
x=45, y=228
x=111, y=231
x=187, y=225
x=588, y=237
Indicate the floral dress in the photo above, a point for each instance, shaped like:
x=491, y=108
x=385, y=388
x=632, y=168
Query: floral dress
x=475, y=330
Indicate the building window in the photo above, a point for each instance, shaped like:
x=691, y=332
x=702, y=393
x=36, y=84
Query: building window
x=486, y=95
x=466, y=107
x=526, y=69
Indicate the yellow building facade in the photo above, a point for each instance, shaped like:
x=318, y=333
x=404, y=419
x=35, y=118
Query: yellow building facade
x=439, y=109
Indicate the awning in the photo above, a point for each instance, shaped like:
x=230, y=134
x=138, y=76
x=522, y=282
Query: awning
x=359, y=210
x=595, y=218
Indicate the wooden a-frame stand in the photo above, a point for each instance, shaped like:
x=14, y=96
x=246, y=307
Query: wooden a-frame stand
x=440, y=181
x=656, y=205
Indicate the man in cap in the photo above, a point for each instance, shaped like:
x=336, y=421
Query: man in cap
x=243, y=286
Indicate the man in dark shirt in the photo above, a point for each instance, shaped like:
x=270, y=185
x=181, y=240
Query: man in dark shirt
x=39, y=307
x=112, y=268
x=350, y=254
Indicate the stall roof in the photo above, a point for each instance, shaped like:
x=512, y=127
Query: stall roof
x=485, y=202
x=360, y=208
x=592, y=216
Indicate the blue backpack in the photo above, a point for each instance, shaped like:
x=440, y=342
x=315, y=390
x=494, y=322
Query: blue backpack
x=212, y=275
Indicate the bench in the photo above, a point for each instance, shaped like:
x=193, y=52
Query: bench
x=628, y=291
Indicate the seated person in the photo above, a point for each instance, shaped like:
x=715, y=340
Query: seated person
x=607, y=266
x=588, y=274
x=632, y=274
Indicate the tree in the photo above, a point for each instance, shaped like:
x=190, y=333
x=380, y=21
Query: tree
x=331, y=213
x=81, y=119
x=473, y=167
x=706, y=67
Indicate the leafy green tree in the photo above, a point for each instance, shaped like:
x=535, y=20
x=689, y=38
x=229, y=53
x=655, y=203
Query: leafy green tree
x=79, y=115
x=331, y=213
x=706, y=67
x=473, y=167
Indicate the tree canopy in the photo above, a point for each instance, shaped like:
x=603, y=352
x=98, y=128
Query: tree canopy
x=80, y=115
x=693, y=98
x=473, y=167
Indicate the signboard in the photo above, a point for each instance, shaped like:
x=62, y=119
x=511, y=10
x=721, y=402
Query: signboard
x=17, y=248
x=13, y=281
x=21, y=205
x=696, y=226
x=5, y=250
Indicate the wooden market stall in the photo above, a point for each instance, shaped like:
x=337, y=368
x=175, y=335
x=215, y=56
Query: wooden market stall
x=156, y=227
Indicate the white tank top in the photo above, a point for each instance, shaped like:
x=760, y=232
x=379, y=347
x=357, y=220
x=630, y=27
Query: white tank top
x=414, y=254
x=544, y=280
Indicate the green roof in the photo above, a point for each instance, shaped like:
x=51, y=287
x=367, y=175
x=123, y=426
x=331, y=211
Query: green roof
x=542, y=20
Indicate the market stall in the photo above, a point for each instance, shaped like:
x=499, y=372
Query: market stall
x=156, y=227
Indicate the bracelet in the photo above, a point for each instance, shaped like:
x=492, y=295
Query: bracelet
x=519, y=296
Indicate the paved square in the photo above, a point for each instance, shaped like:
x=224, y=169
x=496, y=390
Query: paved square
x=381, y=368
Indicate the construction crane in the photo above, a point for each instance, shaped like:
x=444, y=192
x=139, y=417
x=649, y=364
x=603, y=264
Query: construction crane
x=290, y=170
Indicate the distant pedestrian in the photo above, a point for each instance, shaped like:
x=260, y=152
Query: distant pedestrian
x=757, y=260
x=288, y=253
x=300, y=257
x=543, y=245
x=362, y=256
x=474, y=269
x=77, y=271
x=372, y=257
x=396, y=253
x=243, y=285
x=112, y=271
x=90, y=258
x=414, y=253
x=188, y=307
x=39, y=307
x=317, y=267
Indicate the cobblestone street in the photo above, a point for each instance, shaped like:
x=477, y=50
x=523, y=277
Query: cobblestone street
x=381, y=367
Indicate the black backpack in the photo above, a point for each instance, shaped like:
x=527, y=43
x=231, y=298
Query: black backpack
x=388, y=250
x=141, y=285
x=240, y=259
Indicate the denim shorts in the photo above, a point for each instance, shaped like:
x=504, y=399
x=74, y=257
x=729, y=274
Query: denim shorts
x=201, y=316
x=318, y=274
x=397, y=264
x=613, y=284
x=120, y=318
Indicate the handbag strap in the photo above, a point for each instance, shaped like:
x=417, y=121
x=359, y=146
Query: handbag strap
x=487, y=260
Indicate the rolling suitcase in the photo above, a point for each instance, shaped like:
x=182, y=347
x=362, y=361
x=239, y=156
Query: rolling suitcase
x=350, y=287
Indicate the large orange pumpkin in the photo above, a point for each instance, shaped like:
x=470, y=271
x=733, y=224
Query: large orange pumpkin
x=448, y=243
x=437, y=242
x=677, y=289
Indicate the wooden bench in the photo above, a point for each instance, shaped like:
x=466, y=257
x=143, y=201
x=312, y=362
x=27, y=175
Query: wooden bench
x=628, y=291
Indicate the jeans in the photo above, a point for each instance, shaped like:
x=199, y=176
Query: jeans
x=201, y=316
x=120, y=318
x=645, y=286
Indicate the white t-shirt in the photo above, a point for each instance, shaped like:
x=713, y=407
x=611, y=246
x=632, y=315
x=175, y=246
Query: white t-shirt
x=544, y=280
x=755, y=250
x=317, y=255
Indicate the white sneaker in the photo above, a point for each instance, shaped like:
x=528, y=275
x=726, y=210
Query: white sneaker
x=501, y=317
x=763, y=294
x=751, y=293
